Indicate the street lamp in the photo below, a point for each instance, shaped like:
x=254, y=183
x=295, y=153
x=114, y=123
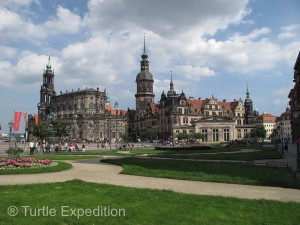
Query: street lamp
x=281, y=136
x=10, y=125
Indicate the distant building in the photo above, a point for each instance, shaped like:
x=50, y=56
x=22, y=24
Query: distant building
x=88, y=111
x=268, y=121
x=284, y=122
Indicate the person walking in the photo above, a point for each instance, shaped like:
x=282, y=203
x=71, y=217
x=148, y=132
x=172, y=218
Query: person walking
x=286, y=145
x=31, y=147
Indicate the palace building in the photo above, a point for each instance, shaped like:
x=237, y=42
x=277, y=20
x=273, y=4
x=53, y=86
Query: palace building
x=175, y=113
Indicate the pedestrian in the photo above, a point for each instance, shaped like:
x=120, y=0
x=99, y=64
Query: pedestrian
x=31, y=147
x=83, y=147
x=286, y=145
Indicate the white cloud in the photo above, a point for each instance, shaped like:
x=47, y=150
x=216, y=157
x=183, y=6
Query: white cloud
x=15, y=26
x=64, y=22
x=289, y=32
x=166, y=18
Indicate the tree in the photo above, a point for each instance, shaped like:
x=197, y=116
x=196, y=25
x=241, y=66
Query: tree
x=183, y=136
x=261, y=131
x=198, y=136
x=60, y=128
x=43, y=130
x=125, y=136
x=52, y=128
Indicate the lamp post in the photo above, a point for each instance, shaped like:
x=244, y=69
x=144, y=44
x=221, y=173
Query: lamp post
x=10, y=125
x=280, y=137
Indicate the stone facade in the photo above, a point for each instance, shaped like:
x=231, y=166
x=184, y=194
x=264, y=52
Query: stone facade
x=88, y=111
x=294, y=96
x=175, y=114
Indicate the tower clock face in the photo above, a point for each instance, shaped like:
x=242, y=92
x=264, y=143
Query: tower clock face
x=144, y=86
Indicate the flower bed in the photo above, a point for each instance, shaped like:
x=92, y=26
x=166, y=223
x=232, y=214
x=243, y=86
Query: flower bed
x=23, y=163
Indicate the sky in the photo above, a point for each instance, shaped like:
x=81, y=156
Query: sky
x=215, y=47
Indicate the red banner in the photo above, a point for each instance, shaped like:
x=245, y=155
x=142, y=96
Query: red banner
x=36, y=118
x=17, y=121
x=25, y=118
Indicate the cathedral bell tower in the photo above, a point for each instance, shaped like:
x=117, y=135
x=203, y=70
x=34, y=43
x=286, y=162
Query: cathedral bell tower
x=144, y=82
x=47, y=91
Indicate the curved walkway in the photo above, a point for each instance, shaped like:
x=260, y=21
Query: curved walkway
x=91, y=170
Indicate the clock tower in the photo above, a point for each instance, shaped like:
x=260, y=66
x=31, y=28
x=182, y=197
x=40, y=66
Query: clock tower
x=144, y=82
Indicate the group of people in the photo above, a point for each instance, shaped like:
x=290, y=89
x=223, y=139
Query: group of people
x=45, y=147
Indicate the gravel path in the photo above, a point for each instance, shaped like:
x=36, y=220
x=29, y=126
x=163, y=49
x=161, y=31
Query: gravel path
x=91, y=170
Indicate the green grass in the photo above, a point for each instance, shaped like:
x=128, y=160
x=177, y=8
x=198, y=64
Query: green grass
x=265, y=153
x=142, y=206
x=59, y=167
x=237, y=173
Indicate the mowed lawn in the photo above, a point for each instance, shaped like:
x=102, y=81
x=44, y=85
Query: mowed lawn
x=141, y=206
x=238, y=173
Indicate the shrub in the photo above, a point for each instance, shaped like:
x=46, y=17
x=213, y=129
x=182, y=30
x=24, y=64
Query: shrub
x=14, y=152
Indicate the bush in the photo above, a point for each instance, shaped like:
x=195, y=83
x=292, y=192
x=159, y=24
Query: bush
x=14, y=152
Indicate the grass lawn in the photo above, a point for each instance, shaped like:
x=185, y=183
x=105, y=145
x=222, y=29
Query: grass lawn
x=59, y=167
x=138, y=151
x=141, y=206
x=265, y=153
x=237, y=173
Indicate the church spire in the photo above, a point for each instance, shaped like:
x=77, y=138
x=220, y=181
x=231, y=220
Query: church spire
x=144, y=61
x=171, y=83
x=247, y=92
x=49, y=66
x=144, y=56
x=144, y=44
x=171, y=92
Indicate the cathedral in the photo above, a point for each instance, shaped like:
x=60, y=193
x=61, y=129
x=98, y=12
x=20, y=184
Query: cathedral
x=88, y=111
x=215, y=120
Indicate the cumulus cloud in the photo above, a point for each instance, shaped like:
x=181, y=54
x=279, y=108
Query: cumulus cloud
x=288, y=32
x=166, y=18
x=18, y=26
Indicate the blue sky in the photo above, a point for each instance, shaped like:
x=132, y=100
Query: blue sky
x=213, y=48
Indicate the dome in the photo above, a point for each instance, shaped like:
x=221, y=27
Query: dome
x=144, y=75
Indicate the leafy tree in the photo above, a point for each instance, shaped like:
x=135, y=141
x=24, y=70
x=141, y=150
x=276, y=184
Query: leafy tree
x=126, y=137
x=261, y=131
x=54, y=128
x=43, y=130
x=60, y=128
x=183, y=136
x=148, y=135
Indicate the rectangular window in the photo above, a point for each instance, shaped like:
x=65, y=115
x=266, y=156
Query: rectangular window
x=245, y=133
x=204, y=133
x=239, y=133
x=215, y=135
x=226, y=134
